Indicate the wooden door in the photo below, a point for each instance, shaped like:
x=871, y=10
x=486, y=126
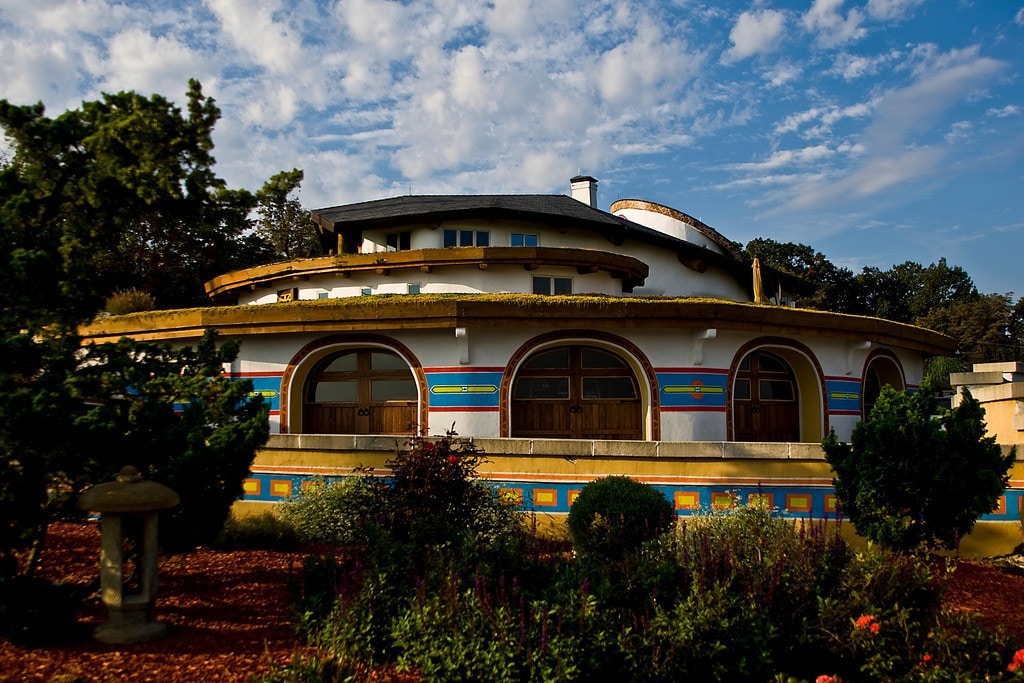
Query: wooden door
x=765, y=401
x=576, y=392
x=360, y=391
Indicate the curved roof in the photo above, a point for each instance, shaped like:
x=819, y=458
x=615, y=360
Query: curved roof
x=425, y=311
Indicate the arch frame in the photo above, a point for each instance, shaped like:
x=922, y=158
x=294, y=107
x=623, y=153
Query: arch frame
x=883, y=356
x=629, y=352
x=807, y=371
x=296, y=373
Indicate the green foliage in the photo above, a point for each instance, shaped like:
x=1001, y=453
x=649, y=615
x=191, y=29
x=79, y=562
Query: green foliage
x=614, y=515
x=909, y=480
x=282, y=222
x=265, y=530
x=340, y=513
x=129, y=301
x=179, y=419
x=87, y=197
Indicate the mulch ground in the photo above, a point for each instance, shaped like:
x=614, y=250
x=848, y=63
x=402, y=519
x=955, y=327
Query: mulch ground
x=228, y=616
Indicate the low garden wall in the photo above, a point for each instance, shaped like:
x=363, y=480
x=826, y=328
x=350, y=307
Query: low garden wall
x=546, y=474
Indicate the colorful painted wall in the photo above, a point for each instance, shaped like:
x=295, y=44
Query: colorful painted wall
x=546, y=475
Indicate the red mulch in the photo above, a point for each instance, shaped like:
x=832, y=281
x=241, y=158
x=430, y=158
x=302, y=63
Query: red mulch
x=228, y=617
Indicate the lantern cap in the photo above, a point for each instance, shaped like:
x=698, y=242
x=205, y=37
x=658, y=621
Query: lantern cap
x=129, y=493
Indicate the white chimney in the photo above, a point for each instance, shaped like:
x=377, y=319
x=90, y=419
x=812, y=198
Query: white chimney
x=584, y=189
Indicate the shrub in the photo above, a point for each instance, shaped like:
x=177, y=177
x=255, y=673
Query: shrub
x=129, y=301
x=613, y=516
x=909, y=480
x=266, y=530
x=336, y=512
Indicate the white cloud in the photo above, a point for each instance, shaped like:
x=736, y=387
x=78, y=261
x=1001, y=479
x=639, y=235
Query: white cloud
x=960, y=130
x=34, y=70
x=139, y=61
x=259, y=29
x=519, y=18
x=906, y=112
x=787, y=157
x=754, y=33
x=782, y=73
x=853, y=67
x=638, y=71
x=1018, y=18
x=830, y=28
x=1003, y=112
x=891, y=9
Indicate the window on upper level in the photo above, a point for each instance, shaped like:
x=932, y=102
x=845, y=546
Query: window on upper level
x=543, y=284
x=520, y=239
x=466, y=238
x=399, y=241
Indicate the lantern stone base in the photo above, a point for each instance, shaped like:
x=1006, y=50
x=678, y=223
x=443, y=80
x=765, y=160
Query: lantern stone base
x=127, y=626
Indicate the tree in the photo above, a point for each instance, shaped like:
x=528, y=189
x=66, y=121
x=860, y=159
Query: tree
x=909, y=479
x=984, y=326
x=75, y=188
x=836, y=287
x=282, y=222
x=173, y=414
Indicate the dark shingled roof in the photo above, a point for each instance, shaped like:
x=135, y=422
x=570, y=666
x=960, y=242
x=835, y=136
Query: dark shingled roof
x=552, y=210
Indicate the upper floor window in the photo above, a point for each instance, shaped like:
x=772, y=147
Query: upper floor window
x=520, y=239
x=466, y=238
x=399, y=241
x=543, y=284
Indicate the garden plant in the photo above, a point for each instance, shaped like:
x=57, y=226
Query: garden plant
x=434, y=577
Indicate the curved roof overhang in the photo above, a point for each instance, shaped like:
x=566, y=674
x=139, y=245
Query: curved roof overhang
x=632, y=271
x=422, y=311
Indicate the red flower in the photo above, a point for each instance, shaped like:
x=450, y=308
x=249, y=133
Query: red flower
x=867, y=621
x=453, y=459
x=925, y=659
x=1018, y=661
x=428, y=446
x=875, y=627
x=825, y=678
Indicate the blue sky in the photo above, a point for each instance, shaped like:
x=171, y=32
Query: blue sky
x=877, y=131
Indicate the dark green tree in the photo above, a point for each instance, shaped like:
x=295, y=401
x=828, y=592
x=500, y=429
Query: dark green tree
x=836, y=289
x=281, y=220
x=75, y=186
x=984, y=326
x=175, y=415
x=914, y=476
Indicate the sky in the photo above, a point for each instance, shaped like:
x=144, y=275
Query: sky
x=876, y=131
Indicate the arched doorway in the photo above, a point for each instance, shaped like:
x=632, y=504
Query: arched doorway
x=360, y=391
x=576, y=392
x=880, y=370
x=766, y=399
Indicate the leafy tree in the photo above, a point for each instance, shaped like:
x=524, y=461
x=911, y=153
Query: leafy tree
x=75, y=187
x=984, y=326
x=282, y=222
x=837, y=289
x=909, y=479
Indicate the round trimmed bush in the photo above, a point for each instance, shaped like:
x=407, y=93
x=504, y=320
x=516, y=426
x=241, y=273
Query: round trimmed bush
x=615, y=515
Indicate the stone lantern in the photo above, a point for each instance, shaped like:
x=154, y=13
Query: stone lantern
x=128, y=511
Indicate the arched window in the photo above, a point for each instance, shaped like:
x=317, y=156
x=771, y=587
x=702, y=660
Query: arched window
x=879, y=371
x=576, y=392
x=360, y=391
x=766, y=399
